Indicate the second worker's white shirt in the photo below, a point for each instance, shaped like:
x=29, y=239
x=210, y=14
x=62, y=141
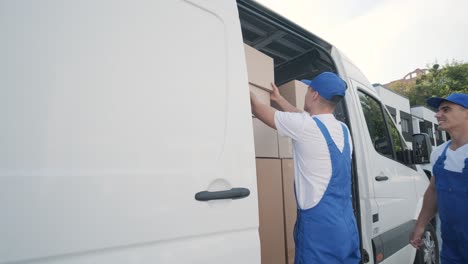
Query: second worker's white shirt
x=312, y=163
x=455, y=158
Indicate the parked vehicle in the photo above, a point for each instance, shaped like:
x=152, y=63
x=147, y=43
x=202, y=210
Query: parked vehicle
x=127, y=134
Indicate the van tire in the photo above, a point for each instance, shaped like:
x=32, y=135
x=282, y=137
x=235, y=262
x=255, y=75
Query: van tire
x=429, y=252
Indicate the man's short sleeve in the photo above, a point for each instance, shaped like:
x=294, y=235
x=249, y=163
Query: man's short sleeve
x=436, y=153
x=290, y=124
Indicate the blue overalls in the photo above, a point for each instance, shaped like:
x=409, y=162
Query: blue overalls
x=452, y=201
x=327, y=233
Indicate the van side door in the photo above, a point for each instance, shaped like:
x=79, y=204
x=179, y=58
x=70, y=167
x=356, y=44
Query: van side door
x=115, y=115
x=393, y=181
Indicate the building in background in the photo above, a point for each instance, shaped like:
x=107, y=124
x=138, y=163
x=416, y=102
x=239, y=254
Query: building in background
x=399, y=108
x=411, y=120
x=427, y=123
x=409, y=77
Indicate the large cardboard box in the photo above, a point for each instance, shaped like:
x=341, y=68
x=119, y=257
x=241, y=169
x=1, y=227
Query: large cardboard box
x=270, y=203
x=260, y=68
x=262, y=95
x=290, y=208
x=294, y=92
x=265, y=140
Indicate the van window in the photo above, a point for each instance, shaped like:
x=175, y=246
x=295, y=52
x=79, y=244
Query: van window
x=398, y=143
x=375, y=120
x=385, y=136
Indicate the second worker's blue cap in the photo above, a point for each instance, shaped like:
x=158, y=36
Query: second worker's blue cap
x=456, y=98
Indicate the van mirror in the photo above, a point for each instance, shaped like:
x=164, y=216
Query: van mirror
x=422, y=148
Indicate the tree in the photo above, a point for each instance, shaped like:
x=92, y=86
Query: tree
x=402, y=87
x=440, y=82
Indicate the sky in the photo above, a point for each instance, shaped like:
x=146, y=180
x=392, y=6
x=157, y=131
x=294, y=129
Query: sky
x=386, y=39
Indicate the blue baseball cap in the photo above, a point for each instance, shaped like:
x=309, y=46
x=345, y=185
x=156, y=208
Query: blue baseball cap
x=456, y=98
x=327, y=84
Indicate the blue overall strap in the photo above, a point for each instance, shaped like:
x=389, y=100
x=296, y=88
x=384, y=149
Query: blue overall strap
x=465, y=169
x=441, y=159
x=328, y=137
x=443, y=155
x=324, y=130
x=346, y=139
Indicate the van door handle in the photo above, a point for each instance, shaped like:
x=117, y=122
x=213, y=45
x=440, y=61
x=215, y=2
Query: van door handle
x=234, y=193
x=381, y=178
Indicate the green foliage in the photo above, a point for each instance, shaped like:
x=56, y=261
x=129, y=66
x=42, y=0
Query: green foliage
x=439, y=81
x=402, y=87
x=452, y=78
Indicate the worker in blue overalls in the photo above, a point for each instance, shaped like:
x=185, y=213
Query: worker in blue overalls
x=448, y=190
x=325, y=230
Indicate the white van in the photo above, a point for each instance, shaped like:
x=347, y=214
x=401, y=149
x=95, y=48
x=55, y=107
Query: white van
x=126, y=134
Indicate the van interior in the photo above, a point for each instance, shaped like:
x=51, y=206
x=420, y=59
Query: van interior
x=297, y=53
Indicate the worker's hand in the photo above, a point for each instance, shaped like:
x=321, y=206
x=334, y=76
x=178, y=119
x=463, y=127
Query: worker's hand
x=415, y=238
x=275, y=94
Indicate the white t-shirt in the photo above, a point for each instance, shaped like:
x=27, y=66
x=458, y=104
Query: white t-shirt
x=455, y=158
x=312, y=163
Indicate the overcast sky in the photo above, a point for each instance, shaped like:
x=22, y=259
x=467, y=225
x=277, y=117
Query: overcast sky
x=385, y=38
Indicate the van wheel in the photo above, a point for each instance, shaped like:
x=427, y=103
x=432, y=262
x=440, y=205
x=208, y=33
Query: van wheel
x=429, y=251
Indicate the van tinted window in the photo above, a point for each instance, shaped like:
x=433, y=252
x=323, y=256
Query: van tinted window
x=398, y=143
x=376, y=124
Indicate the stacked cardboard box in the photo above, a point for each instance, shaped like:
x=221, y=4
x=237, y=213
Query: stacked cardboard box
x=269, y=181
x=270, y=200
x=275, y=168
x=266, y=140
x=260, y=75
x=294, y=92
x=290, y=207
x=260, y=71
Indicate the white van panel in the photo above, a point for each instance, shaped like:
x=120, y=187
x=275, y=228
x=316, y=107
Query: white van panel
x=395, y=197
x=196, y=250
x=111, y=125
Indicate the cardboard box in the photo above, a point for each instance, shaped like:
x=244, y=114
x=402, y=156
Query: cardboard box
x=261, y=94
x=270, y=203
x=294, y=92
x=265, y=140
x=290, y=208
x=285, y=147
x=260, y=68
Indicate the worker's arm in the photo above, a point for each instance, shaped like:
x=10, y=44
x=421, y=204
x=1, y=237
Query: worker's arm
x=285, y=106
x=262, y=111
x=428, y=211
